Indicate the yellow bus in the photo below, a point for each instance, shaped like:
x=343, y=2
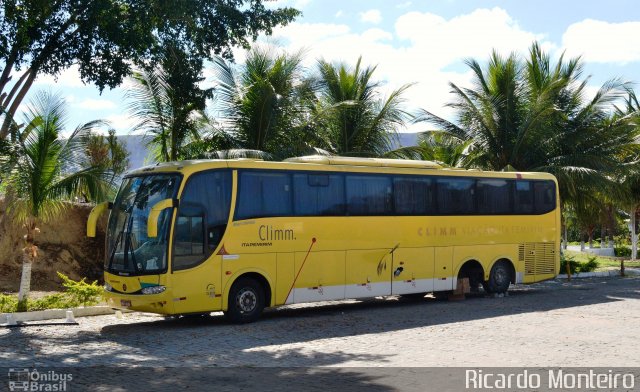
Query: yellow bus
x=241, y=235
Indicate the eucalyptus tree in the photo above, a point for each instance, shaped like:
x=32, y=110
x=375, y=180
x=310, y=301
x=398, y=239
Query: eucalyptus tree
x=355, y=118
x=44, y=170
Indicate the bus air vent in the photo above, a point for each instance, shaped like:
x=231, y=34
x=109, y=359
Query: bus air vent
x=539, y=257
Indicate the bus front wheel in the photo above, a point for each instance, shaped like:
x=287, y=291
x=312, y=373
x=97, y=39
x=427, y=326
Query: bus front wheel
x=246, y=301
x=499, y=278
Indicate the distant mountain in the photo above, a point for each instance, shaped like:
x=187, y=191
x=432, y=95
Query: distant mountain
x=407, y=139
x=139, y=152
x=137, y=148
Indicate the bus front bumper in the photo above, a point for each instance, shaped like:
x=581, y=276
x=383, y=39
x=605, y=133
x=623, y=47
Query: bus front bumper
x=152, y=303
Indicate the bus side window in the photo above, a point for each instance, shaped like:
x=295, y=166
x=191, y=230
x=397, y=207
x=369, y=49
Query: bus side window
x=455, y=196
x=318, y=194
x=413, y=196
x=523, y=197
x=189, y=237
x=544, y=196
x=202, y=217
x=369, y=195
x=494, y=196
x=264, y=194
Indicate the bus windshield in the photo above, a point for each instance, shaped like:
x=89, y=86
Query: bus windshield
x=129, y=250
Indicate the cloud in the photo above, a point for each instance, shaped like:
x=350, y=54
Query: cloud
x=95, y=104
x=70, y=77
x=371, y=16
x=339, y=14
x=603, y=42
x=471, y=35
x=422, y=48
x=297, y=4
x=122, y=123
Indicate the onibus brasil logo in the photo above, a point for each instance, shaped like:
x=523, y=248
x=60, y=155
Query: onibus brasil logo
x=34, y=380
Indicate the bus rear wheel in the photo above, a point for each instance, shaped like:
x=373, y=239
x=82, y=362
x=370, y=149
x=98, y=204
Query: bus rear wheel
x=499, y=278
x=246, y=301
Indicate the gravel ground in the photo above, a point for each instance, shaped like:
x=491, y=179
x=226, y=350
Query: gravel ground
x=588, y=322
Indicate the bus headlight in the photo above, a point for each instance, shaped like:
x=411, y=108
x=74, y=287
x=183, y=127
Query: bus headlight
x=107, y=287
x=153, y=290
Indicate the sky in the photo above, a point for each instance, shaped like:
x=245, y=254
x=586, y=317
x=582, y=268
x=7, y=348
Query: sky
x=424, y=42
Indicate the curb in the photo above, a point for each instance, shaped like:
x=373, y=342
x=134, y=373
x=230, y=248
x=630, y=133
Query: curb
x=51, y=314
x=601, y=274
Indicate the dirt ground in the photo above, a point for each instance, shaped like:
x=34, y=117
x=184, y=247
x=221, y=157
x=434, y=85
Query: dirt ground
x=63, y=246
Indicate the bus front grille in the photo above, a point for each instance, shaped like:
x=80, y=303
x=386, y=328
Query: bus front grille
x=539, y=257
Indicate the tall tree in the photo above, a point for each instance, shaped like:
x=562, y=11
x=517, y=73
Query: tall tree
x=44, y=170
x=533, y=116
x=109, y=153
x=168, y=104
x=262, y=103
x=356, y=118
x=105, y=37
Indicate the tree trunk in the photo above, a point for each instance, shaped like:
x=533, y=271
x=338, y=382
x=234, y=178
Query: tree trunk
x=602, y=235
x=634, y=235
x=25, y=284
x=8, y=119
x=566, y=237
x=581, y=245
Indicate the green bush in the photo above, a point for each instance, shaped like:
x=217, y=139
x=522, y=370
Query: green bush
x=573, y=264
x=76, y=293
x=8, y=303
x=83, y=293
x=622, y=251
x=589, y=266
x=52, y=301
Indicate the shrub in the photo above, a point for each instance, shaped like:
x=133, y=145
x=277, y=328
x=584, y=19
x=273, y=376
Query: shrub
x=573, y=264
x=622, y=251
x=52, y=301
x=83, y=293
x=590, y=265
x=8, y=303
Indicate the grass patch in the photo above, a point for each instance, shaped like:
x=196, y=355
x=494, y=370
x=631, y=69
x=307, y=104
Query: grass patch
x=603, y=261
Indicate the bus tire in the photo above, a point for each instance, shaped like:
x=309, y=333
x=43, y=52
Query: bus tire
x=246, y=301
x=499, y=278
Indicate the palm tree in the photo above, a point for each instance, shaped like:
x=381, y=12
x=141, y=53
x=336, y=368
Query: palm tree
x=263, y=104
x=355, y=118
x=630, y=180
x=441, y=147
x=43, y=171
x=534, y=116
x=168, y=105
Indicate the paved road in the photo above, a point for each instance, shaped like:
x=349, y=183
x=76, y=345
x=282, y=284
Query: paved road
x=590, y=322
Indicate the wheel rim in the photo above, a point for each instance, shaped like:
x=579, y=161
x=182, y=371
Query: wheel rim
x=500, y=276
x=246, y=300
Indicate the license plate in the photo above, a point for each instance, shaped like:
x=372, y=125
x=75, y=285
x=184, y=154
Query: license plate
x=125, y=303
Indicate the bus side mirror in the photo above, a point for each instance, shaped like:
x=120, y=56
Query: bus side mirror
x=94, y=215
x=154, y=214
